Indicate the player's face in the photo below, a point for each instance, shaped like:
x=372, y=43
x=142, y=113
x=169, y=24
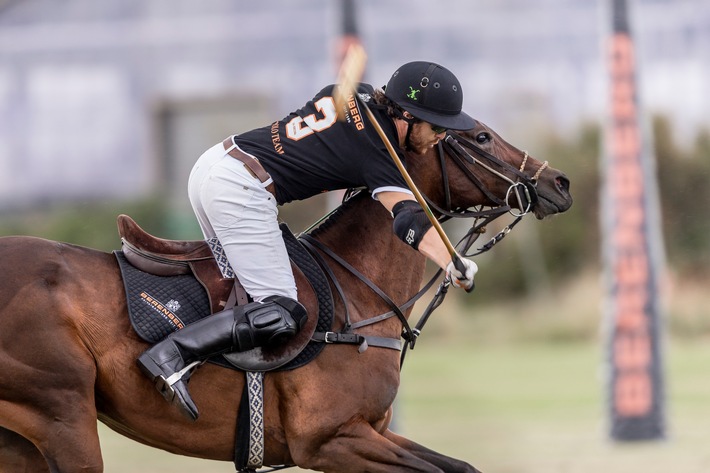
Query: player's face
x=424, y=137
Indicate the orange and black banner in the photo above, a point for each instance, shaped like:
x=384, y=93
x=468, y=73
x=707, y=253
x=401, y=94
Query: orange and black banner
x=632, y=253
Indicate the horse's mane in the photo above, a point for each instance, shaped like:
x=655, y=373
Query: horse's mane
x=337, y=214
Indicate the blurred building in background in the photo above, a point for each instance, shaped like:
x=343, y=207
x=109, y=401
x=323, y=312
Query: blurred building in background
x=117, y=98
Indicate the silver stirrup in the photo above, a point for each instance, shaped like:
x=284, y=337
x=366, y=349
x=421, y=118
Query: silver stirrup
x=165, y=386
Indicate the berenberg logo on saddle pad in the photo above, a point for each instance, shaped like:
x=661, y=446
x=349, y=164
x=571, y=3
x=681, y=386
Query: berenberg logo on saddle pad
x=167, y=310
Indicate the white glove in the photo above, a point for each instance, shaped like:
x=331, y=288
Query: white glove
x=462, y=279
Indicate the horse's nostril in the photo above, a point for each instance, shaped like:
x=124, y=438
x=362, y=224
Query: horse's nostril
x=562, y=183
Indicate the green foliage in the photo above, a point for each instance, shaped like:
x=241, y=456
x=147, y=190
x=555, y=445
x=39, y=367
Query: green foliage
x=572, y=242
x=91, y=224
x=685, y=194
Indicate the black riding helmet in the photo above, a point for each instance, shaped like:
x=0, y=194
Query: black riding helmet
x=430, y=93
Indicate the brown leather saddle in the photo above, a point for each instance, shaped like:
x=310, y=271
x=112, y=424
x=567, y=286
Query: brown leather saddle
x=174, y=257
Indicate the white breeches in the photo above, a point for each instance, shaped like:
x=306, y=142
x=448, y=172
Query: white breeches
x=234, y=206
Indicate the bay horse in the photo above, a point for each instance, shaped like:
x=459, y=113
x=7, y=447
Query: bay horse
x=68, y=352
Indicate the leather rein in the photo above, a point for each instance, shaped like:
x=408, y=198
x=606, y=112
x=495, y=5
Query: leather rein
x=459, y=149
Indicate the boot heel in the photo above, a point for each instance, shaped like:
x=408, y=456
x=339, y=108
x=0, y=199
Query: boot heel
x=149, y=367
x=151, y=370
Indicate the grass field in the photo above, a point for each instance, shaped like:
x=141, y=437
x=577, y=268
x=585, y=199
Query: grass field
x=515, y=408
x=540, y=408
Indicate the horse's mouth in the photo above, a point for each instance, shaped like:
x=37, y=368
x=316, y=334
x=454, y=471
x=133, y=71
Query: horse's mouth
x=546, y=206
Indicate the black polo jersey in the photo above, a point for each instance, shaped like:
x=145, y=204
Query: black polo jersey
x=310, y=151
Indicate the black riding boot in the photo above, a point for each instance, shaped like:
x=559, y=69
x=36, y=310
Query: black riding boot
x=170, y=362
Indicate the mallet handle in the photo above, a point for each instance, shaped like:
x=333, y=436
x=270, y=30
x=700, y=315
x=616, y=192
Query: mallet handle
x=417, y=195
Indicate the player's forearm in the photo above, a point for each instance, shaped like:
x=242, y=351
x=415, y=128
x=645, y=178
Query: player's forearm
x=433, y=248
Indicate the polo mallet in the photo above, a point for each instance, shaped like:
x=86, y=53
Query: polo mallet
x=349, y=76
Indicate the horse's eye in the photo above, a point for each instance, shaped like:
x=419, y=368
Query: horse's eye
x=483, y=138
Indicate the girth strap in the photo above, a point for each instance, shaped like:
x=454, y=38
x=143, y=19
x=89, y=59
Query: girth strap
x=363, y=341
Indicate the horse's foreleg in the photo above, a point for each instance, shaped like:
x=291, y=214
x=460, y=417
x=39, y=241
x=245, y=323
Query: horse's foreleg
x=47, y=397
x=447, y=464
x=357, y=447
x=19, y=455
x=72, y=444
x=60, y=427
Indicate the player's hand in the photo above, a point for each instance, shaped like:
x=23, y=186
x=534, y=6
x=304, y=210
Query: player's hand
x=462, y=276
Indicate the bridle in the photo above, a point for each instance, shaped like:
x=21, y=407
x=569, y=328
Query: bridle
x=521, y=186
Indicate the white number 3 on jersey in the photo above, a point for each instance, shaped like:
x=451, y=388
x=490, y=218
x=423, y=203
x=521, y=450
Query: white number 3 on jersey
x=299, y=128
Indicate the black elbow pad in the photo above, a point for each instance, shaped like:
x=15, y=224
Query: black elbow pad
x=410, y=222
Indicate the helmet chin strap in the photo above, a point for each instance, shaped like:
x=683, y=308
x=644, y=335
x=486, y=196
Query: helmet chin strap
x=407, y=143
x=410, y=122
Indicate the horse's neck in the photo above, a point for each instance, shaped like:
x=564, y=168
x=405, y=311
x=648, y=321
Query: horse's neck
x=361, y=233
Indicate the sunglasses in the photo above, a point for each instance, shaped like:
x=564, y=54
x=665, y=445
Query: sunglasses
x=438, y=129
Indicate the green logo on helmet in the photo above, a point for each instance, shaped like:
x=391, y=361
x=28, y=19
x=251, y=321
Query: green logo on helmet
x=413, y=93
